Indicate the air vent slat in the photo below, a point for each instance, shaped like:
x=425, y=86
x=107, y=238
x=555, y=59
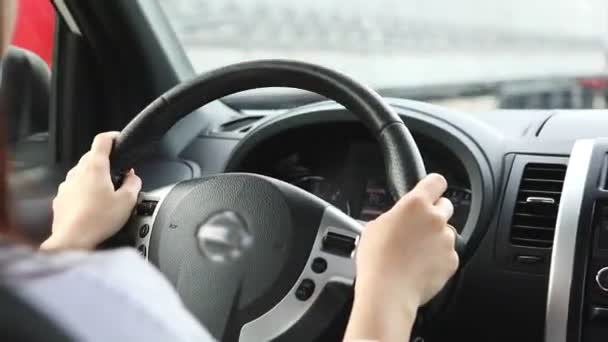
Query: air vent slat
x=556, y=167
x=535, y=213
x=520, y=226
x=551, y=188
x=527, y=179
x=524, y=202
x=241, y=124
x=538, y=243
x=545, y=192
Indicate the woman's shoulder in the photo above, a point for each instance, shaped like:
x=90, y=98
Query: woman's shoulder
x=117, y=272
x=19, y=262
x=117, y=287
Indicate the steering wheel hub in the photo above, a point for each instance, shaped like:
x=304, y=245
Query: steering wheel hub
x=232, y=243
x=224, y=236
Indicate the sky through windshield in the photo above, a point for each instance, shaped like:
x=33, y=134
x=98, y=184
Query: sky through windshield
x=390, y=43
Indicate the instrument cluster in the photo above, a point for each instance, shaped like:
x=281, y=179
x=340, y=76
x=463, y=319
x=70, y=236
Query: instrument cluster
x=351, y=176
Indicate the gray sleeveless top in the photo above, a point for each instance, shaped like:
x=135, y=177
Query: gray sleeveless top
x=100, y=296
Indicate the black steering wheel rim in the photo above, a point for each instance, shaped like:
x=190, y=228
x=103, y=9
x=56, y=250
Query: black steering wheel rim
x=403, y=163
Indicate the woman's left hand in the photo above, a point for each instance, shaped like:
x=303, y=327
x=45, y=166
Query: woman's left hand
x=87, y=209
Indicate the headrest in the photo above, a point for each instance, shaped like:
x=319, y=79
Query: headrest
x=25, y=83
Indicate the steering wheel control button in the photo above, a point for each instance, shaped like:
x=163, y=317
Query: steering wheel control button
x=224, y=236
x=146, y=208
x=339, y=244
x=601, y=278
x=319, y=265
x=144, y=230
x=142, y=250
x=305, y=289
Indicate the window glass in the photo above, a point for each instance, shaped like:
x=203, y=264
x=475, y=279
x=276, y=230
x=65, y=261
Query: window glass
x=473, y=54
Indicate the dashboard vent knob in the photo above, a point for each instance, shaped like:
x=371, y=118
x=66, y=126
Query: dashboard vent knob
x=535, y=213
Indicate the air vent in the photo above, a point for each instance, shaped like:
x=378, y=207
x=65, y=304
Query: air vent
x=535, y=213
x=242, y=124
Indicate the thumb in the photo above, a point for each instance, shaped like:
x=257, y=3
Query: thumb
x=131, y=186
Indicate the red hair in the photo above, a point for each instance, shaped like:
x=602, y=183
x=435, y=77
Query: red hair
x=7, y=12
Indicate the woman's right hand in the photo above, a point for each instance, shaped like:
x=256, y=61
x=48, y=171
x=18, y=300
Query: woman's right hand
x=404, y=259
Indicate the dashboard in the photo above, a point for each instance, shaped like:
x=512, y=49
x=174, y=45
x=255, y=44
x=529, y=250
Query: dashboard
x=488, y=160
x=347, y=169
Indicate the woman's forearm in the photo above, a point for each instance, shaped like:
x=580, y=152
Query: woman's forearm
x=404, y=258
x=377, y=316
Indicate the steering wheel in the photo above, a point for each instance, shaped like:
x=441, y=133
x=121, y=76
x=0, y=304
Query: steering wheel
x=255, y=258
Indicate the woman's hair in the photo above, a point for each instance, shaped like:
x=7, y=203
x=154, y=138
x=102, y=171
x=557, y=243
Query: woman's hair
x=7, y=15
x=5, y=223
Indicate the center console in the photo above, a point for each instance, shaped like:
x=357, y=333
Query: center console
x=577, y=302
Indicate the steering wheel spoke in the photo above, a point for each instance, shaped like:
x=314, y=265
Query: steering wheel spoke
x=327, y=266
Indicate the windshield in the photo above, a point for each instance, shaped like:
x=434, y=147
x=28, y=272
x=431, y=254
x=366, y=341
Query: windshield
x=476, y=54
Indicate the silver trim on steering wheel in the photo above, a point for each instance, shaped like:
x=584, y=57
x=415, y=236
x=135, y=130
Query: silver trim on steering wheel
x=340, y=269
x=566, y=229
